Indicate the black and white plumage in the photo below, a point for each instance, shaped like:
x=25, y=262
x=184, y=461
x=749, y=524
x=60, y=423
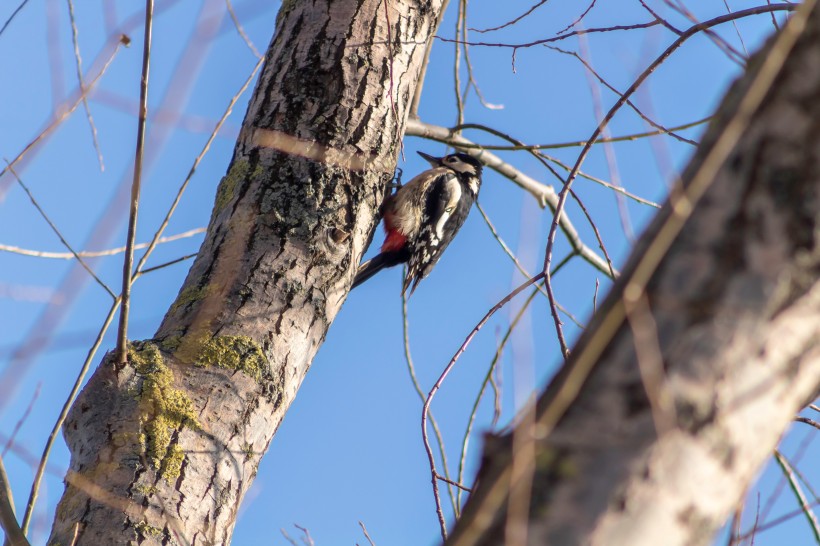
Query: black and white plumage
x=423, y=217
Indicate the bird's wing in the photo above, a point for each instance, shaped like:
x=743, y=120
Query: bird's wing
x=441, y=201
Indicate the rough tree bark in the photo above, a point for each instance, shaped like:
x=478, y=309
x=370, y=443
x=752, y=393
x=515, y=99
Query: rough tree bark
x=708, y=345
x=165, y=447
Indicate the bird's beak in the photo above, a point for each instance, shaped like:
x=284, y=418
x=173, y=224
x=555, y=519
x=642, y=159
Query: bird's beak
x=434, y=161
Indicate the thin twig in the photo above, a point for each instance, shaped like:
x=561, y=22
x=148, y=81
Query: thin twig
x=757, y=520
x=566, y=167
x=735, y=526
x=806, y=420
x=169, y=263
x=471, y=80
x=731, y=53
x=465, y=441
x=737, y=30
x=128, y=261
x=426, y=409
x=595, y=296
x=660, y=19
x=609, y=152
x=57, y=231
x=457, y=65
x=601, y=182
x=366, y=534
x=94, y=253
x=760, y=527
x=411, y=369
x=182, y=121
x=76, y=534
x=774, y=19
x=58, y=425
x=288, y=537
x=590, y=70
x=798, y=492
x=12, y=16
x=771, y=8
x=512, y=21
x=514, y=47
x=23, y=418
x=579, y=19
x=520, y=266
x=78, y=61
x=64, y=112
x=14, y=535
x=773, y=497
x=454, y=483
x=649, y=357
x=579, y=143
x=308, y=540
x=241, y=31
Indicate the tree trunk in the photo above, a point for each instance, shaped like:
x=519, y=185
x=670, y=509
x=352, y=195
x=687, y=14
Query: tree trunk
x=165, y=447
x=708, y=345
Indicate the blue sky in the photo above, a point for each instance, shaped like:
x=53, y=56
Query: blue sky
x=350, y=448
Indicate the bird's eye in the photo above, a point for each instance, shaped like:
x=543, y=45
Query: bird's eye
x=451, y=159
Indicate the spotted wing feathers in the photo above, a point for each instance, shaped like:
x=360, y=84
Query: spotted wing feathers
x=444, y=211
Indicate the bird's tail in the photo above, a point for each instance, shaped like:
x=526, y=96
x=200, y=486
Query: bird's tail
x=376, y=264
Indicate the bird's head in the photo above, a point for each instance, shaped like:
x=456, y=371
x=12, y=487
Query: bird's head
x=459, y=162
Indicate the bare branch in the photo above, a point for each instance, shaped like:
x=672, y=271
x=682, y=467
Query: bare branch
x=465, y=441
x=122, y=333
x=241, y=31
x=57, y=231
x=426, y=409
x=514, y=47
x=14, y=535
x=23, y=418
x=78, y=60
x=699, y=27
x=64, y=113
x=95, y=253
x=12, y=16
x=798, y=492
x=544, y=194
x=411, y=369
x=366, y=534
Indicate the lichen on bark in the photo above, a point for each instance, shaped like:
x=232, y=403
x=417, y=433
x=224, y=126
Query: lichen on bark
x=234, y=353
x=240, y=353
x=163, y=410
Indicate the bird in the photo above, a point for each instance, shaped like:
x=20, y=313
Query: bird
x=423, y=216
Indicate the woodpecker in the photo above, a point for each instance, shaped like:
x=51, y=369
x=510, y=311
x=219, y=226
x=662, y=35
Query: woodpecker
x=424, y=215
